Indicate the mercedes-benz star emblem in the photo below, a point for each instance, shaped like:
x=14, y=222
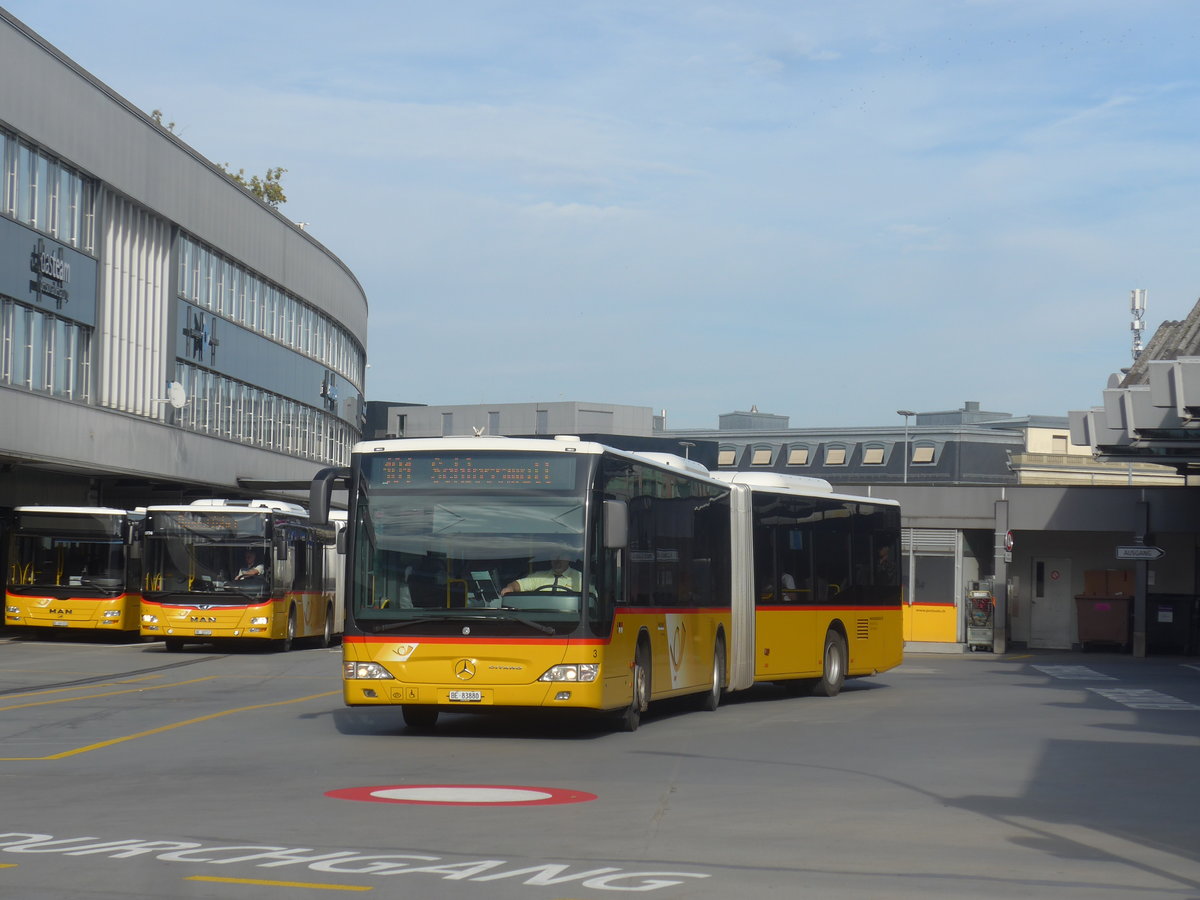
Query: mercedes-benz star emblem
x=464, y=669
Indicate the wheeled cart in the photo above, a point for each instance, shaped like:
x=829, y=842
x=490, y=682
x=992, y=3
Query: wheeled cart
x=981, y=620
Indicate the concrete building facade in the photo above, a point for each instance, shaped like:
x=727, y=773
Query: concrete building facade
x=165, y=334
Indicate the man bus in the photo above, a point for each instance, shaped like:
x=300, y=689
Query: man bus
x=73, y=567
x=238, y=571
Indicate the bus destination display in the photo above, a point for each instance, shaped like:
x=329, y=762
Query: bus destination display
x=486, y=471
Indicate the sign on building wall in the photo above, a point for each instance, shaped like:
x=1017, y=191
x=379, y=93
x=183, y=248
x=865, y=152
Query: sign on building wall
x=40, y=271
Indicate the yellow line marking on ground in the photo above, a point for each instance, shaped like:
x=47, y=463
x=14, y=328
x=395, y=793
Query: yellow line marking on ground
x=1026, y=656
x=295, y=884
x=8, y=865
x=129, y=737
x=157, y=687
x=80, y=687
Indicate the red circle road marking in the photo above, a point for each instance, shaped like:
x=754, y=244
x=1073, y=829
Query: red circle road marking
x=462, y=795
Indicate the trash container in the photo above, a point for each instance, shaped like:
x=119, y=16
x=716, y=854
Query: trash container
x=1102, y=620
x=1169, y=620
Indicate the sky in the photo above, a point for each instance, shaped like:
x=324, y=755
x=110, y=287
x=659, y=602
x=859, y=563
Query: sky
x=826, y=210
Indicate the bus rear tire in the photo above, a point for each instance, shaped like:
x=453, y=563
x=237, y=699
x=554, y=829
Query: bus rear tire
x=833, y=666
x=419, y=717
x=711, y=699
x=631, y=717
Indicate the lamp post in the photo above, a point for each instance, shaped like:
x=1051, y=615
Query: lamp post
x=906, y=413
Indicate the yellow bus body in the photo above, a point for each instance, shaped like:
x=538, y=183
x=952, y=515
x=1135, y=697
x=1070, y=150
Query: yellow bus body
x=789, y=641
x=505, y=671
x=201, y=623
x=118, y=613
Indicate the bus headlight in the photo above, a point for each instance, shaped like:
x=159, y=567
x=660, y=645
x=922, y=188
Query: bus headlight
x=12, y=609
x=149, y=619
x=110, y=614
x=259, y=620
x=356, y=670
x=576, y=672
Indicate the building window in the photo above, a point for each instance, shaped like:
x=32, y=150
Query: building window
x=797, y=456
x=1058, y=444
x=835, y=456
x=493, y=423
x=872, y=456
x=762, y=456
x=726, y=456
x=447, y=424
x=923, y=453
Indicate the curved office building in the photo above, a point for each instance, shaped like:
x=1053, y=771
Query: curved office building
x=163, y=333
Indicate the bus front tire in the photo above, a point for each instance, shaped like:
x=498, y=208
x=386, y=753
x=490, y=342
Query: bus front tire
x=419, y=717
x=631, y=717
x=833, y=666
x=326, y=638
x=173, y=645
x=711, y=698
x=284, y=644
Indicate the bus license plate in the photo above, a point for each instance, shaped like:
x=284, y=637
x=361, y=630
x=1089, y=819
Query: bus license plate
x=201, y=632
x=61, y=624
x=466, y=696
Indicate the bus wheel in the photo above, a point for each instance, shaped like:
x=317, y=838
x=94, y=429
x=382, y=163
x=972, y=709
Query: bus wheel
x=284, y=644
x=833, y=671
x=631, y=718
x=326, y=639
x=174, y=645
x=419, y=717
x=711, y=698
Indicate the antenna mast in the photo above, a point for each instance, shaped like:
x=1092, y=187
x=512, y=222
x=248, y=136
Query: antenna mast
x=1137, y=309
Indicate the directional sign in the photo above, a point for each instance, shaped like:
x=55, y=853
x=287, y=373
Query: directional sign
x=1141, y=551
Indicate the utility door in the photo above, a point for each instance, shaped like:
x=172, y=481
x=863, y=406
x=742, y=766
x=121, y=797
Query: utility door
x=1051, y=604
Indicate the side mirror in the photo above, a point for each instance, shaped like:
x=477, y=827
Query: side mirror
x=616, y=524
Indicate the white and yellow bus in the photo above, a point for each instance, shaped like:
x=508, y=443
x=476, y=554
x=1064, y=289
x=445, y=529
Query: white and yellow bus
x=238, y=570
x=503, y=572
x=74, y=567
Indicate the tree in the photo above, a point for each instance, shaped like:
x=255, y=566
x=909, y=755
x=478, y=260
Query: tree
x=268, y=188
x=156, y=115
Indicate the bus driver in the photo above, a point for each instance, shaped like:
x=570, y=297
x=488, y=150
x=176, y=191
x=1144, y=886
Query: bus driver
x=559, y=575
x=253, y=568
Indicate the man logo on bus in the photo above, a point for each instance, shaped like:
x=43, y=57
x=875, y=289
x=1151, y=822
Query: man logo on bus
x=464, y=669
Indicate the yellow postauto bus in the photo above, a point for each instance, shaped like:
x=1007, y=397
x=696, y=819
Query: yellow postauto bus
x=74, y=567
x=494, y=572
x=238, y=570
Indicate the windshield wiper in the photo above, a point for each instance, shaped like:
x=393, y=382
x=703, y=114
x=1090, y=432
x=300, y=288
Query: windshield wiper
x=425, y=620
x=404, y=623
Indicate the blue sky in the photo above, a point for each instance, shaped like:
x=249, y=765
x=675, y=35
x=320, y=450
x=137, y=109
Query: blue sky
x=829, y=210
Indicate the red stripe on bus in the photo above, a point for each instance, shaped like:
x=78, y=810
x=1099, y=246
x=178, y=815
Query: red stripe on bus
x=465, y=638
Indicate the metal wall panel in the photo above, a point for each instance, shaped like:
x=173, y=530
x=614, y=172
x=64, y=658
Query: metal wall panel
x=131, y=345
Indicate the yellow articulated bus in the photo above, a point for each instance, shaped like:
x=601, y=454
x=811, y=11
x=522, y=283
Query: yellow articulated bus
x=73, y=567
x=238, y=570
x=558, y=573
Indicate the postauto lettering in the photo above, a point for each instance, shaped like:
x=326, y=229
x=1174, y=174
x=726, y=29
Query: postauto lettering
x=343, y=862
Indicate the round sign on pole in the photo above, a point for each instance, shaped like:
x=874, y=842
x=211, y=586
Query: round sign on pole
x=1008, y=542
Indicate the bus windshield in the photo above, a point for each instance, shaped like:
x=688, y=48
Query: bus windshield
x=41, y=561
x=179, y=565
x=444, y=542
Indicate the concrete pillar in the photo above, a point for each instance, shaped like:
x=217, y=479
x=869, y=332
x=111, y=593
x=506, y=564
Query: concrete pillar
x=1002, y=557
